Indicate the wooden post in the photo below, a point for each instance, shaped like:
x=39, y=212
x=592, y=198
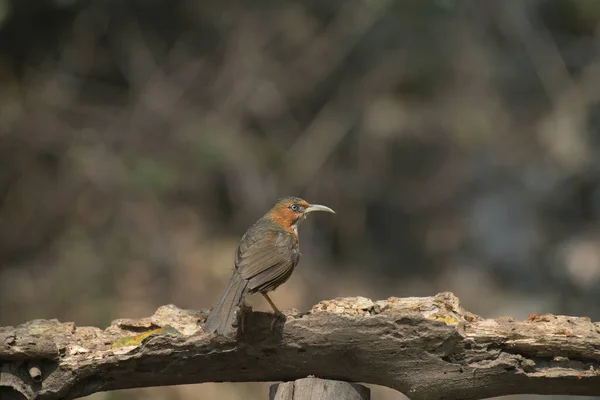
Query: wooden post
x=318, y=389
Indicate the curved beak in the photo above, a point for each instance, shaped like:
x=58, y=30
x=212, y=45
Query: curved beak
x=318, y=207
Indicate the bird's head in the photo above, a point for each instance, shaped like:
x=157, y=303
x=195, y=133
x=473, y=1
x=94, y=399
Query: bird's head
x=289, y=211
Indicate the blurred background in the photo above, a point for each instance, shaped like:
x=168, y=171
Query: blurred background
x=458, y=141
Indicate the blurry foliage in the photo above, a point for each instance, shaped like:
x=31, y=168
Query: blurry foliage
x=457, y=140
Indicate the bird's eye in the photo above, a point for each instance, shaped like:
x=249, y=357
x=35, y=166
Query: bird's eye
x=294, y=207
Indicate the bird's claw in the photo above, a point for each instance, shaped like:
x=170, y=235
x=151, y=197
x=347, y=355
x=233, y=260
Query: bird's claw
x=276, y=316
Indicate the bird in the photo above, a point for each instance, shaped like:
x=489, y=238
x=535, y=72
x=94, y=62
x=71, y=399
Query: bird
x=265, y=258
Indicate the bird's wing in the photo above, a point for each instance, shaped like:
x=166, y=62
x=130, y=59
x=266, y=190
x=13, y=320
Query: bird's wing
x=267, y=260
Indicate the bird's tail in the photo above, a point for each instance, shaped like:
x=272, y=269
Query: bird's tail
x=223, y=314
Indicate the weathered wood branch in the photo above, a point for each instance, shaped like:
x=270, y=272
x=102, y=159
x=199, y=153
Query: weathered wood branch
x=427, y=348
x=317, y=389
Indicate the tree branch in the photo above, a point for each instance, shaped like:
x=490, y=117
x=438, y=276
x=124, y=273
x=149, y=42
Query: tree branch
x=427, y=348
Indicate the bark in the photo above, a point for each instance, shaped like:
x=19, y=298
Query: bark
x=427, y=348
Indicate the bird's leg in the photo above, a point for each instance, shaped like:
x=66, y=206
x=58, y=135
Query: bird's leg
x=274, y=309
x=242, y=318
x=271, y=303
x=243, y=312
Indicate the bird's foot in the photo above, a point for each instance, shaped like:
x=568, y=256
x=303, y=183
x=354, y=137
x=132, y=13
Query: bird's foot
x=276, y=317
x=244, y=310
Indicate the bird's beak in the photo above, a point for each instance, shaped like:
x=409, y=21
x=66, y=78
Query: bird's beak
x=317, y=207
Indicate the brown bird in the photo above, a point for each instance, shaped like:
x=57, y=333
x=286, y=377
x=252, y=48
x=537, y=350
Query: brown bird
x=265, y=258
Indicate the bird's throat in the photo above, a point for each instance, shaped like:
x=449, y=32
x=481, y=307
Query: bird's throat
x=285, y=218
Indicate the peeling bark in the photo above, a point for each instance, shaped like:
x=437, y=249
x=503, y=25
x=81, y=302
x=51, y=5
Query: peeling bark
x=427, y=348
